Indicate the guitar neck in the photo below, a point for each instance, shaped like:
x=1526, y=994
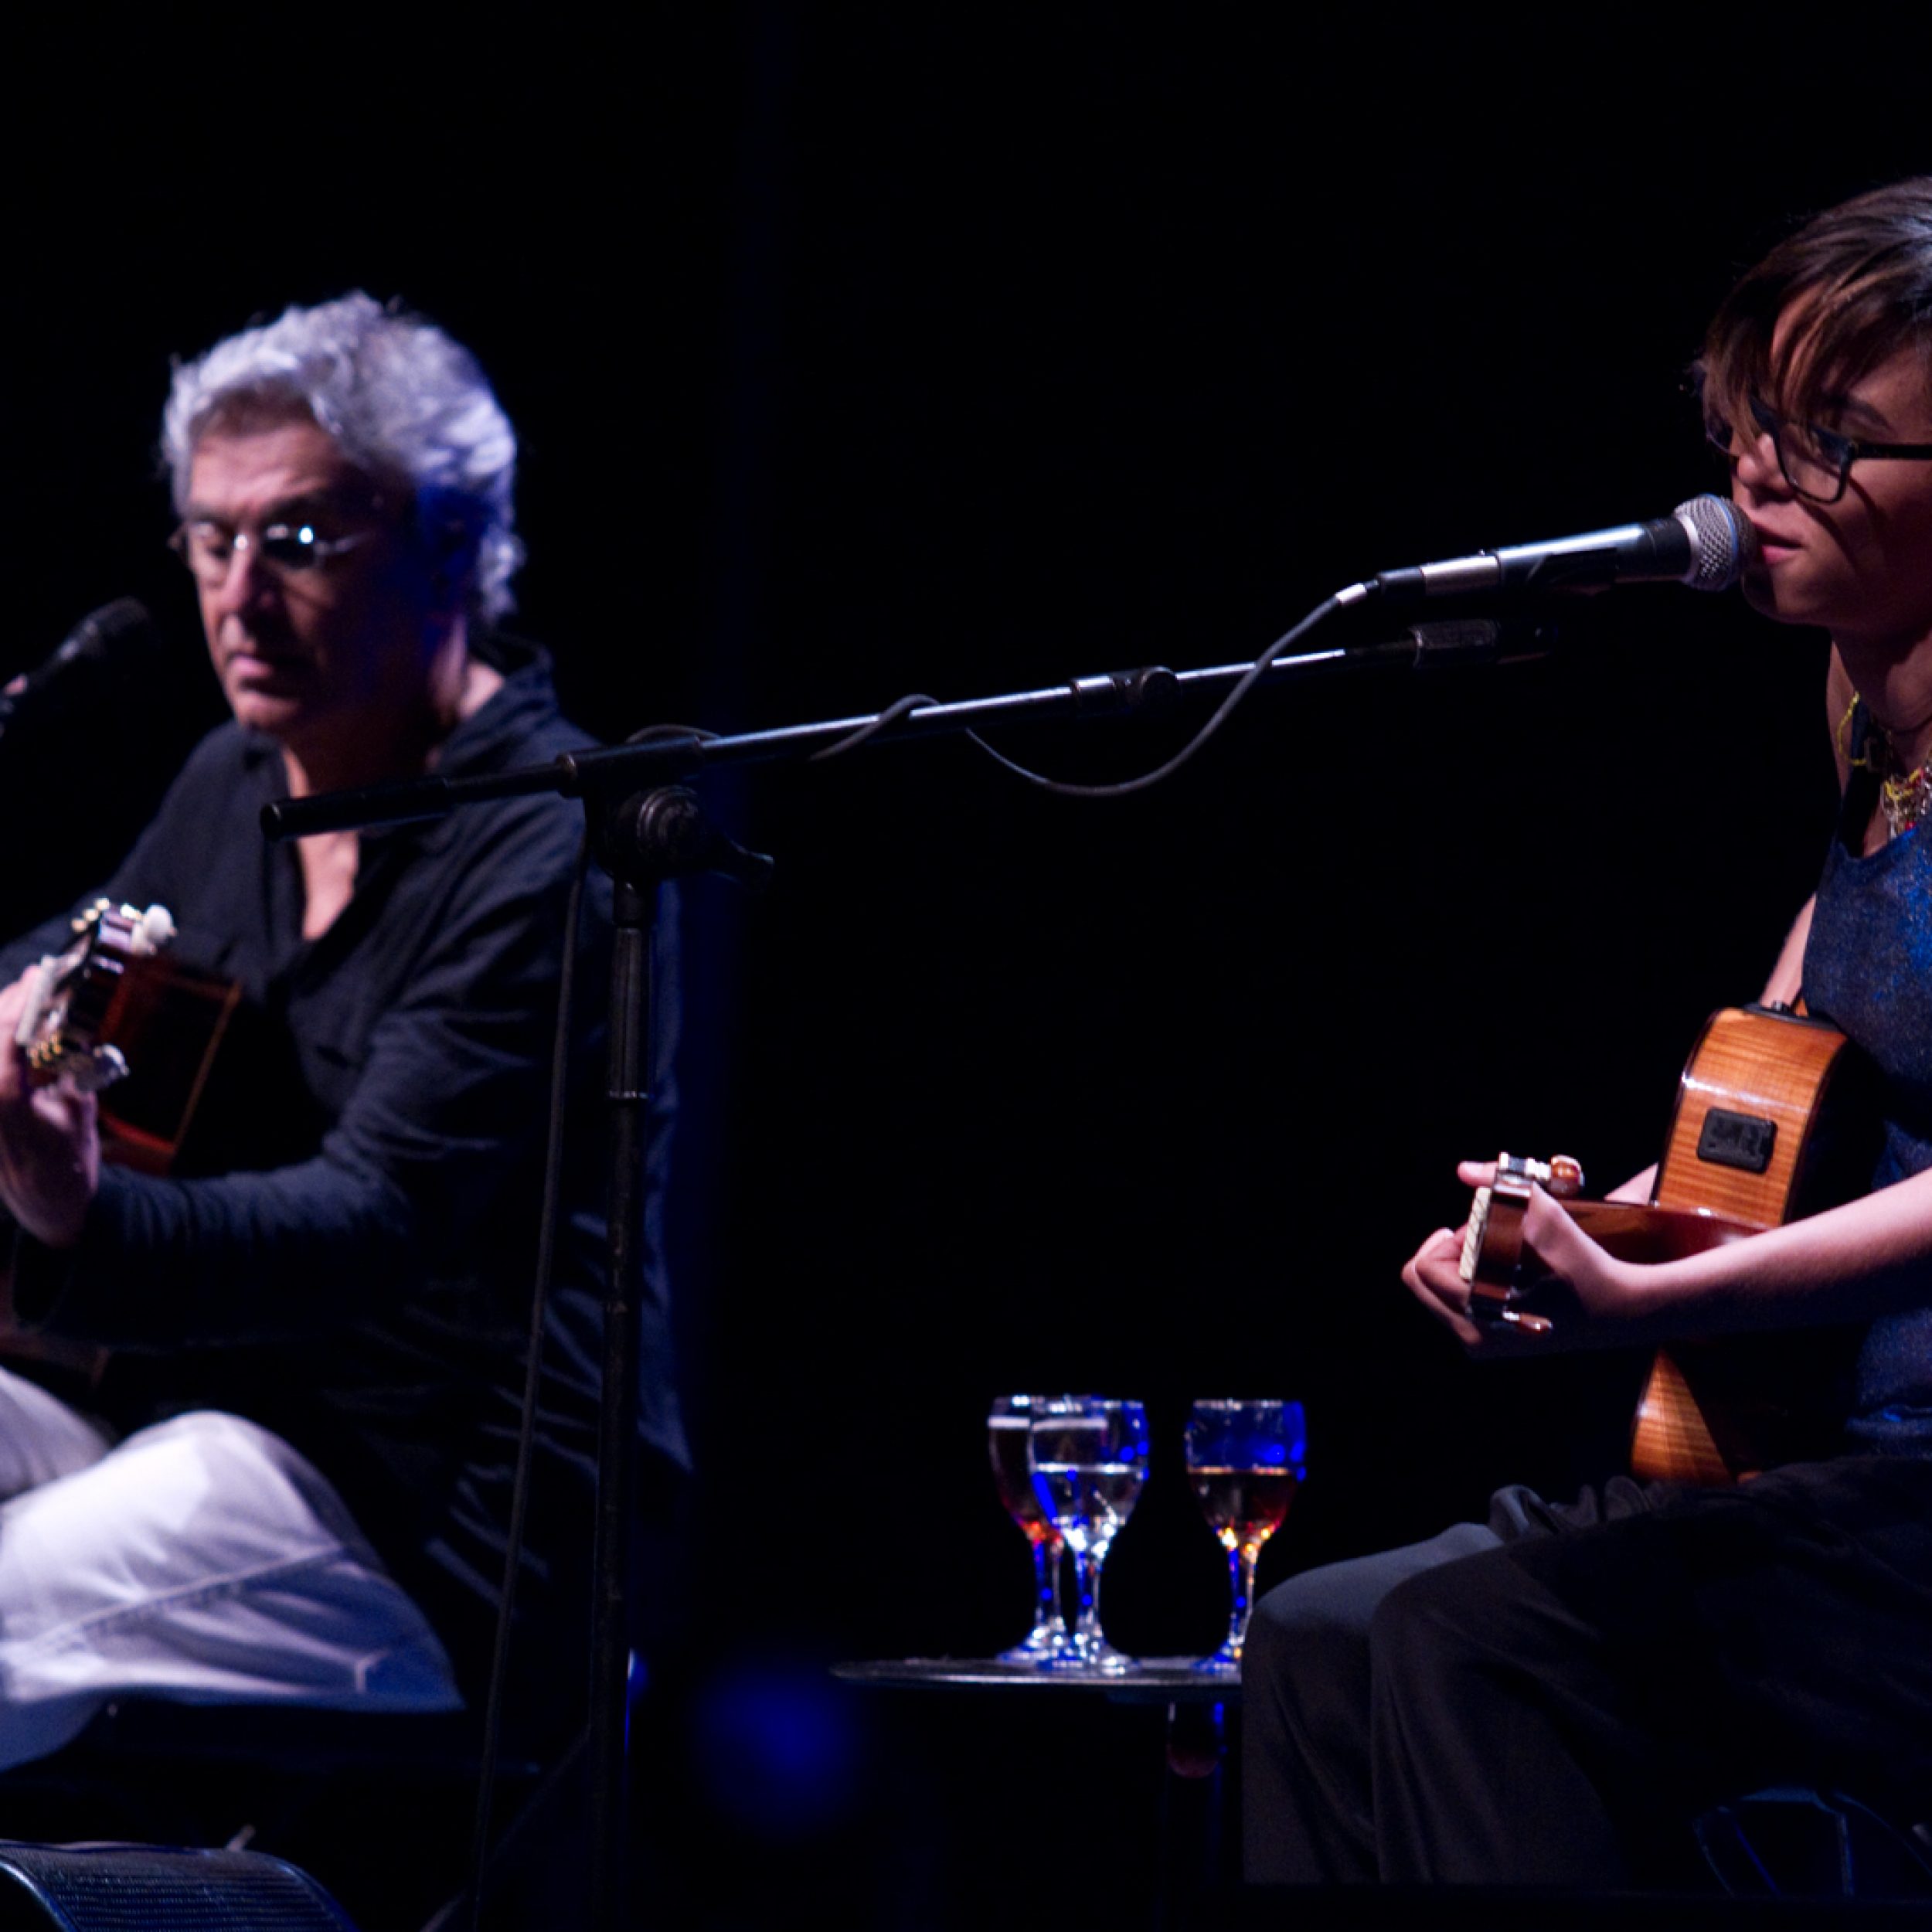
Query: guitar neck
x=1497, y=1267
x=1636, y=1231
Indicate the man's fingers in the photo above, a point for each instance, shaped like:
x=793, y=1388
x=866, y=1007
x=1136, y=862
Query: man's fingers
x=13, y=1001
x=13, y=1066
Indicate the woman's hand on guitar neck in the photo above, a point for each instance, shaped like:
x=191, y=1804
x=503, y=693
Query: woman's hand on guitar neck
x=49, y=1140
x=1433, y=1276
x=1604, y=1289
x=1474, y=1174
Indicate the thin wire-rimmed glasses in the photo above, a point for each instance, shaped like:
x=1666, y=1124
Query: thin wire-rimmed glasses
x=1816, y=463
x=290, y=548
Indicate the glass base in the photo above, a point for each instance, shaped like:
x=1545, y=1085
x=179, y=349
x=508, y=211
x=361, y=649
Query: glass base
x=1225, y=1662
x=1085, y=1650
x=1040, y=1645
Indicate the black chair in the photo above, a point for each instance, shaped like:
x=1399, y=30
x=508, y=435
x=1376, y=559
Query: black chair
x=1792, y=1842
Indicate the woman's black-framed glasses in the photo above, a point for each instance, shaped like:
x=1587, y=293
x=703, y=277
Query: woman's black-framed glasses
x=1816, y=462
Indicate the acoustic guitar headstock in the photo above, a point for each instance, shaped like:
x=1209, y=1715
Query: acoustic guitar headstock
x=68, y=1023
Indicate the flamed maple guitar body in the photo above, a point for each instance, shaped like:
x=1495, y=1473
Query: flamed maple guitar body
x=1773, y=1120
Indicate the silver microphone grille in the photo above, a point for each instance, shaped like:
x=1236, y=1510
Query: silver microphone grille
x=1723, y=543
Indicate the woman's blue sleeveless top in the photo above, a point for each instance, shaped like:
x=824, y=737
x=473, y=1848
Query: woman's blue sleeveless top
x=1867, y=969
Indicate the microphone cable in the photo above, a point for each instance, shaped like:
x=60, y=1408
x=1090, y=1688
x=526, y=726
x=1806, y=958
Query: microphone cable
x=532, y=1374
x=1704, y=543
x=1067, y=788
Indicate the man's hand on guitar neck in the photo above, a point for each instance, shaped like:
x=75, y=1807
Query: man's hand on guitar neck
x=1605, y=1290
x=50, y=1139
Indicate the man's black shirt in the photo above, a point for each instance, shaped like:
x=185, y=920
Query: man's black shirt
x=357, y=1277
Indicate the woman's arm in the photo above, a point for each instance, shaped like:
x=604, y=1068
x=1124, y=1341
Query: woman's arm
x=1788, y=976
x=1842, y=1266
x=1871, y=1257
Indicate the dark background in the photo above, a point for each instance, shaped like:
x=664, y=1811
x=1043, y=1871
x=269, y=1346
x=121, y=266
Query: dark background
x=951, y=350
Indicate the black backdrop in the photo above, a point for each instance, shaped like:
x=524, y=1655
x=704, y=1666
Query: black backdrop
x=909, y=350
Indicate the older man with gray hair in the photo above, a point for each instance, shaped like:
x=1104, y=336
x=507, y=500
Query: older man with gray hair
x=291, y=1480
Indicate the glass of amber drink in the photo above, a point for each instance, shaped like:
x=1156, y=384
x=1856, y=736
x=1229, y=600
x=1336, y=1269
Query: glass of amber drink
x=1009, y=1429
x=1246, y=1460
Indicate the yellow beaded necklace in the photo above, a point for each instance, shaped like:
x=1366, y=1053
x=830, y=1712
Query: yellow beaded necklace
x=1904, y=798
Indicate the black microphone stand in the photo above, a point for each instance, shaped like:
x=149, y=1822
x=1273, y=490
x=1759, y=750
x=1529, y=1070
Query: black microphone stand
x=645, y=828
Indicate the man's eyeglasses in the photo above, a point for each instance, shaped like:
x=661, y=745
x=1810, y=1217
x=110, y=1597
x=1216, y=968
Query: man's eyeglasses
x=1816, y=462
x=210, y=548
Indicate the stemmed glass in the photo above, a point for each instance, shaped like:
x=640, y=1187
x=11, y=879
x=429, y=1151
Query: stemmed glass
x=1089, y=1460
x=1245, y=1459
x=1008, y=1432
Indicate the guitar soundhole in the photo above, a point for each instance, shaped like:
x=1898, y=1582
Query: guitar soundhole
x=1741, y=1141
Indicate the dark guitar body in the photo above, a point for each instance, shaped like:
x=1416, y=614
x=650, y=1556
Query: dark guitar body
x=168, y=1024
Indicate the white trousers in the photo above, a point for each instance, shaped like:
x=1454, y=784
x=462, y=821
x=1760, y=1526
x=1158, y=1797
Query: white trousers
x=202, y=1560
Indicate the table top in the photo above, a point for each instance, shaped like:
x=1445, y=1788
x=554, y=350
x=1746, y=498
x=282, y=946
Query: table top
x=1152, y=1680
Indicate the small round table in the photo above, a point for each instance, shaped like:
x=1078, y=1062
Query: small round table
x=1190, y=1826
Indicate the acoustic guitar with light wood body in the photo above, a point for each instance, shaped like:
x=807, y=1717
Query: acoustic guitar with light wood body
x=1772, y=1121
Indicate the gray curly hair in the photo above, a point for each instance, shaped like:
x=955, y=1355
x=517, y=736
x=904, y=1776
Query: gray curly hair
x=405, y=402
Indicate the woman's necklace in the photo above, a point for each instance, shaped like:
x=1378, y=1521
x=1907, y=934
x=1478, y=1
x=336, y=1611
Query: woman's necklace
x=1904, y=796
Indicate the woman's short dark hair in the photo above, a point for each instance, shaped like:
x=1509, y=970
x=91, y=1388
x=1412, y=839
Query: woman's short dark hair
x=1860, y=274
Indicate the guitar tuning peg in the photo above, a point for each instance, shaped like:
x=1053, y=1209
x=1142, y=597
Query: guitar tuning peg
x=92, y=1072
x=154, y=930
x=1524, y=1322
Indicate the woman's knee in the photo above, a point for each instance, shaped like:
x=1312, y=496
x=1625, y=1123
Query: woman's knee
x=1336, y=1604
x=1431, y=1621
x=1329, y=1606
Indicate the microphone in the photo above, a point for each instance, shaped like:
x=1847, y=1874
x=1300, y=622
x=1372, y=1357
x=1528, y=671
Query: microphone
x=1704, y=543
x=111, y=637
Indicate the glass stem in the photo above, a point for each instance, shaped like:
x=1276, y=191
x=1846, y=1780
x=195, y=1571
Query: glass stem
x=1046, y=1583
x=1086, y=1584
x=1241, y=1563
x=1100, y=1563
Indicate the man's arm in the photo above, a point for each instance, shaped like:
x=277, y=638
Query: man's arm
x=448, y=1101
x=49, y=1142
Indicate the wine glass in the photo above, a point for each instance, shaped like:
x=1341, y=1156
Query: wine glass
x=1089, y=1460
x=1245, y=1459
x=1008, y=1432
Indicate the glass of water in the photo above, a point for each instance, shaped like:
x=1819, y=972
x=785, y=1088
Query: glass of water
x=1089, y=1461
